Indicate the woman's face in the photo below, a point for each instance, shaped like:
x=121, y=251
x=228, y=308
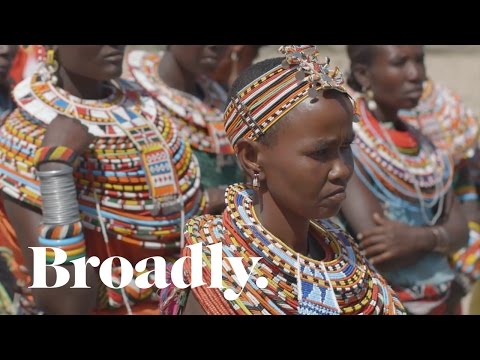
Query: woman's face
x=396, y=76
x=98, y=62
x=199, y=59
x=308, y=166
x=7, y=53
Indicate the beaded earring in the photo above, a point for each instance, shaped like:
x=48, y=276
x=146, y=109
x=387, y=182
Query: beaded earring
x=369, y=96
x=52, y=66
x=47, y=57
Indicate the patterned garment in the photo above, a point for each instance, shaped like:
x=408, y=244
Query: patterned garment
x=145, y=177
x=444, y=119
x=344, y=283
x=201, y=121
x=410, y=178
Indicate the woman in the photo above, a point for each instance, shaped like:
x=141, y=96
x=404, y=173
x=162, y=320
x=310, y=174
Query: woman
x=179, y=79
x=7, y=54
x=236, y=60
x=290, y=123
x=109, y=159
x=445, y=120
x=400, y=202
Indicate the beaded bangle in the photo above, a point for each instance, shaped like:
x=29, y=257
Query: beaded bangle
x=60, y=154
x=69, y=238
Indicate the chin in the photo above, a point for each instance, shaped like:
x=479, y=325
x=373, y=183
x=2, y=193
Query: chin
x=410, y=104
x=325, y=213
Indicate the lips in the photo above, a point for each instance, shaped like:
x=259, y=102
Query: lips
x=338, y=194
x=415, y=92
x=114, y=57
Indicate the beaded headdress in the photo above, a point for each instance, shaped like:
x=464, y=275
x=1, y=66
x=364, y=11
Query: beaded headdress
x=265, y=100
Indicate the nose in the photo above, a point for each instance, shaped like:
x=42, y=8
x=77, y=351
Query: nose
x=217, y=49
x=342, y=168
x=416, y=72
x=119, y=47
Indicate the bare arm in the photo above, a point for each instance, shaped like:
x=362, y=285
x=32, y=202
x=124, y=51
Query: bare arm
x=25, y=220
x=62, y=131
x=392, y=244
x=360, y=205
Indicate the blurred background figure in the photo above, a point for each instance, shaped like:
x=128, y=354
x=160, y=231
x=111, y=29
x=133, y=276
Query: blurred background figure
x=25, y=62
x=7, y=55
x=179, y=78
x=442, y=116
x=400, y=205
x=237, y=58
x=90, y=165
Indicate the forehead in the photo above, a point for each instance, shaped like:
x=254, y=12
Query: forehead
x=399, y=50
x=330, y=115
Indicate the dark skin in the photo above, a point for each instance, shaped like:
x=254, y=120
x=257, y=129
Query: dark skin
x=179, y=69
x=311, y=154
x=182, y=64
x=82, y=70
x=7, y=54
x=395, y=75
x=236, y=60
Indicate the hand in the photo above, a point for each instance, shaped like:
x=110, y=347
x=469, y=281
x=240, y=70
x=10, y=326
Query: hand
x=390, y=244
x=69, y=132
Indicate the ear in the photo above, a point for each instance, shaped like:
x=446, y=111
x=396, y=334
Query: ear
x=249, y=154
x=361, y=74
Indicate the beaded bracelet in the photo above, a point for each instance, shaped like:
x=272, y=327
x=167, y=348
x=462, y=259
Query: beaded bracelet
x=60, y=154
x=68, y=238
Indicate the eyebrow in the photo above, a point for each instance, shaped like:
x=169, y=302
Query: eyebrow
x=328, y=141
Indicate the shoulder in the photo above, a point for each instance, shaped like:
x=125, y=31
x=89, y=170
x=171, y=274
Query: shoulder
x=205, y=229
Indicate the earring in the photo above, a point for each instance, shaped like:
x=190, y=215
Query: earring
x=369, y=96
x=234, y=56
x=52, y=66
x=256, y=182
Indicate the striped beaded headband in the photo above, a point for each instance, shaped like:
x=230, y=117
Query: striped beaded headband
x=267, y=99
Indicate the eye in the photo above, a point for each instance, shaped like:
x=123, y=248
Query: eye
x=320, y=153
x=399, y=62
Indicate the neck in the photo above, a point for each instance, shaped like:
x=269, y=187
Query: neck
x=288, y=227
x=80, y=86
x=175, y=76
x=385, y=115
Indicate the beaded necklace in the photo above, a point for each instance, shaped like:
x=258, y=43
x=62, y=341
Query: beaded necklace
x=201, y=121
x=343, y=283
x=422, y=178
x=444, y=119
x=113, y=168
